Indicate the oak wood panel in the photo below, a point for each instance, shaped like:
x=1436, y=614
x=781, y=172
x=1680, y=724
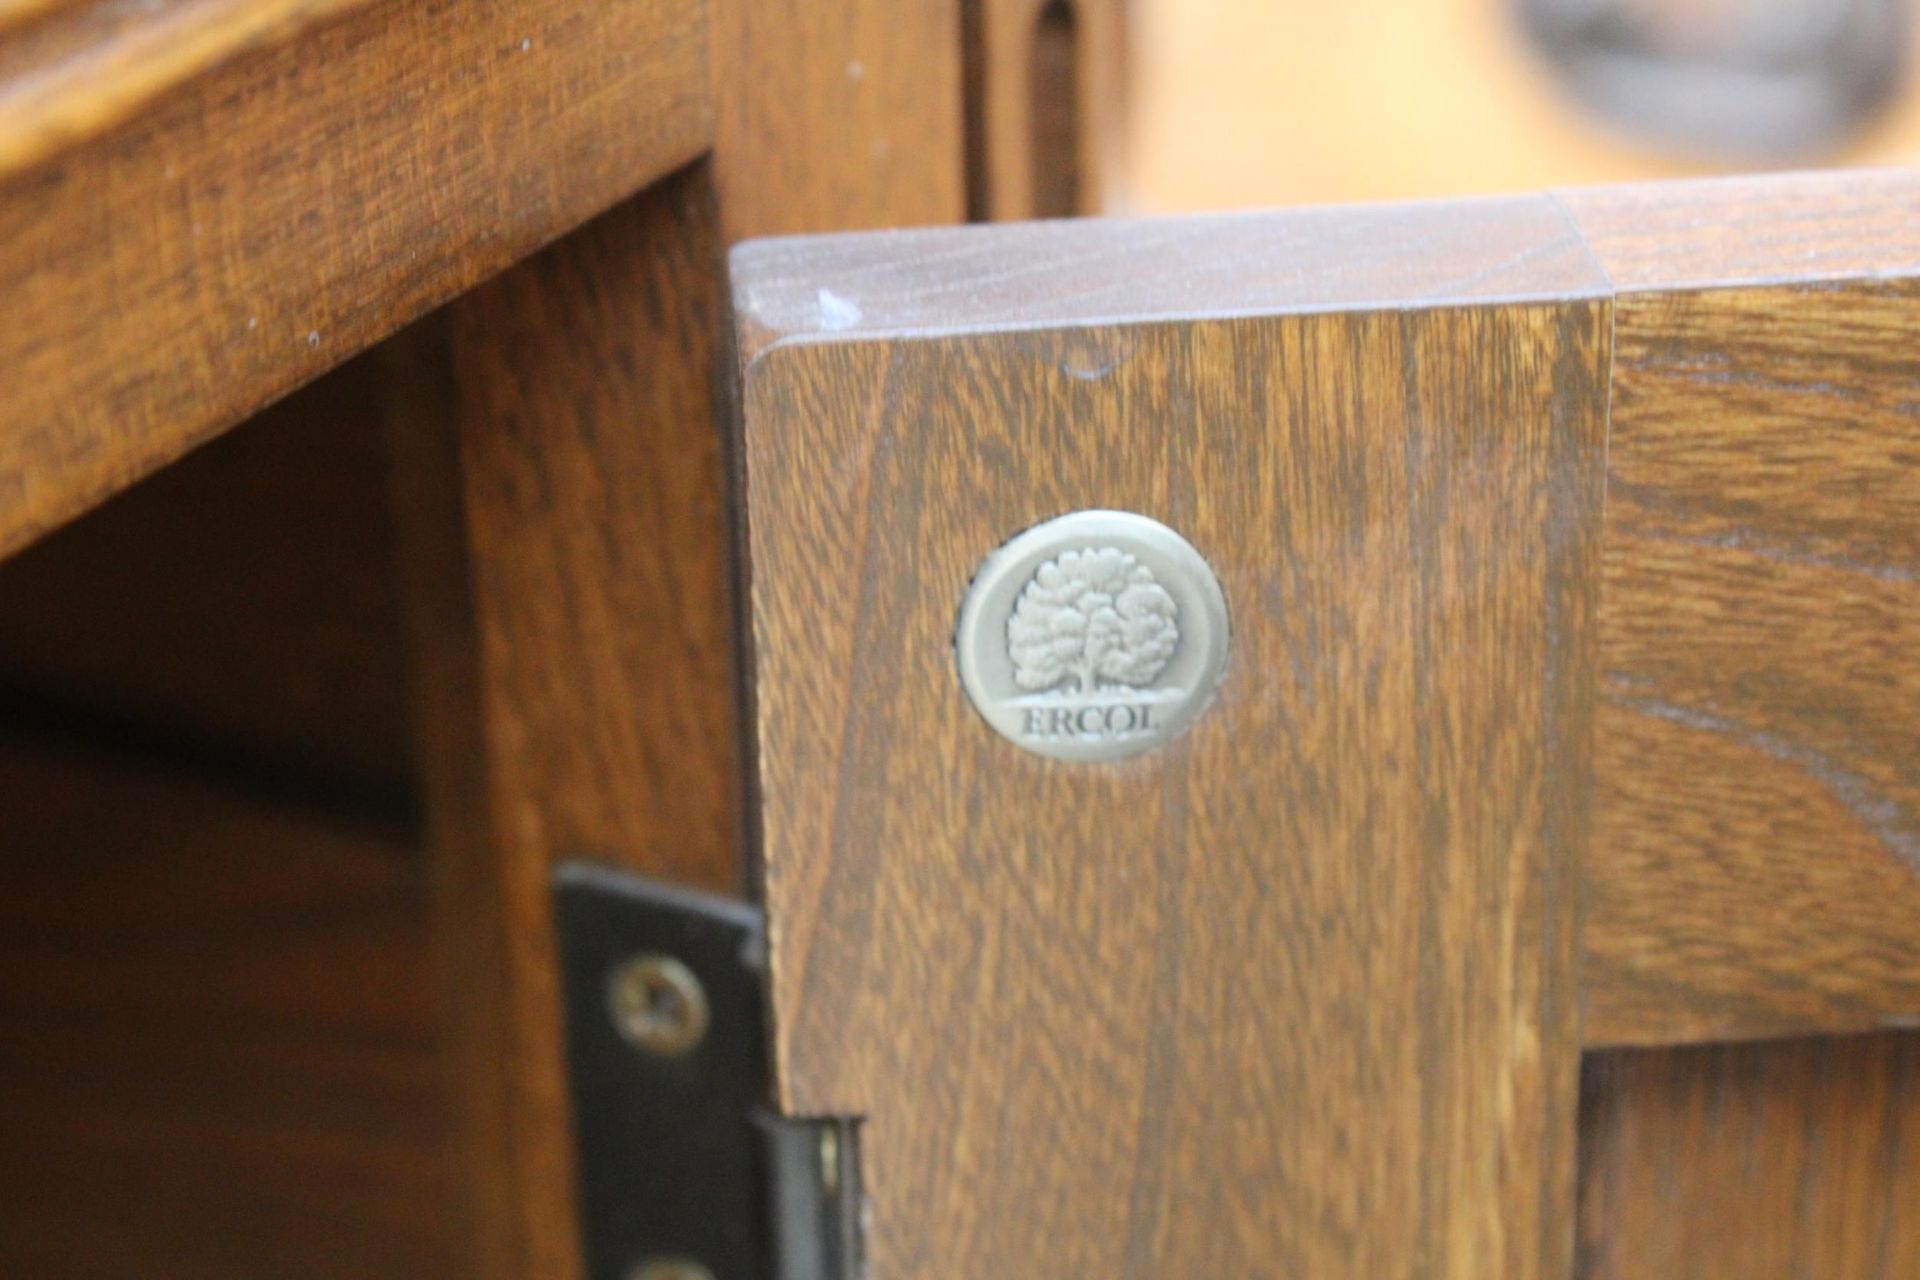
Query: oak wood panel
x=829, y=117
x=260, y=223
x=1757, y=230
x=218, y=1038
x=1779, y=1161
x=1756, y=866
x=240, y=609
x=564, y=502
x=1292, y=994
x=72, y=68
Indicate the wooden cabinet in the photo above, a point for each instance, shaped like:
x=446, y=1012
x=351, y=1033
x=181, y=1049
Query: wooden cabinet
x=406, y=503
x=1568, y=548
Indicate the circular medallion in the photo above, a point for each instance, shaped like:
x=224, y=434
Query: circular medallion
x=1093, y=636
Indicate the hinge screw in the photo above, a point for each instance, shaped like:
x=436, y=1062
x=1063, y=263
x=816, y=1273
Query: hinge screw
x=661, y=1008
x=671, y=1269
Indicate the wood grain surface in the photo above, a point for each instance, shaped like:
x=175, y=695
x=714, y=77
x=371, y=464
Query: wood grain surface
x=1293, y=994
x=1768, y=229
x=239, y=610
x=829, y=117
x=1756, y=866
x=70, y=69
x=262, y=222
x=220, y=1053
x=570, y=555
x=1046, y=102
x=941, y=280
x=1788, y=1161
x=562, y=500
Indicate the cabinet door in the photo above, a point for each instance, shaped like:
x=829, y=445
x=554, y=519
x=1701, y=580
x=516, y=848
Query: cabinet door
x=1244, y=704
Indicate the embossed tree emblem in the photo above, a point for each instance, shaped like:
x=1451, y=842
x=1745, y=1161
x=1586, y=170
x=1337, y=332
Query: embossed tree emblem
x=1096, y=617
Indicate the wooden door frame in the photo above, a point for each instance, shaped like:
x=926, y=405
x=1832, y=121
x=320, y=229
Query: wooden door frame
x=949, y=961
x=563, y=494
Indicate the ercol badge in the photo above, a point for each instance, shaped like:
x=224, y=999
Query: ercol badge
x=1093, y=636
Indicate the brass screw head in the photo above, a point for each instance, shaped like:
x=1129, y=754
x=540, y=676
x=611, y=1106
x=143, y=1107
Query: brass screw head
x=661, y=1008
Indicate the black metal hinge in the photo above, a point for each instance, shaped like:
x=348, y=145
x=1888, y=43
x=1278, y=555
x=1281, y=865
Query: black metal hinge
x=684, y=1173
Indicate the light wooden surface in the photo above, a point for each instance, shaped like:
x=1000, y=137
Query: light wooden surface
x=952, y=280
x=1773, y=229
x=1753, y=1162
x=221, y=1046
x=1295, y=993
x=270, y=217
x=1756, y=864
x=70, y=69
